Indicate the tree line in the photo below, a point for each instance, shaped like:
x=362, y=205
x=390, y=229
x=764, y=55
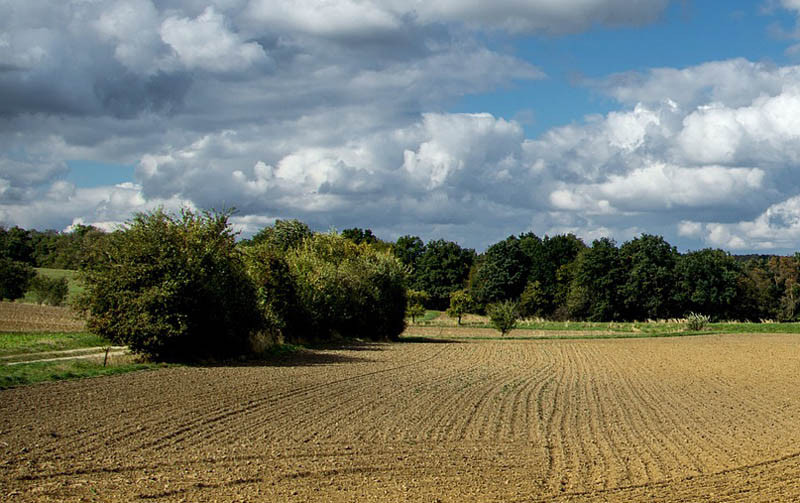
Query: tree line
x=171, y=285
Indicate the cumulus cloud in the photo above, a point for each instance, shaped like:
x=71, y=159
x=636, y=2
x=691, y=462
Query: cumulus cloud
x=335, y=113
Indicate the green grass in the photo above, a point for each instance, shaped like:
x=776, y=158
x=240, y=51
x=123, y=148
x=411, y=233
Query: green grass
x=18, y=343
x=29, y=373
x=75, y=287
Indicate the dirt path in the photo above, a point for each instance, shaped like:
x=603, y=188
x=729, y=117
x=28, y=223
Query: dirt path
x=712, y=418
x=67, y=354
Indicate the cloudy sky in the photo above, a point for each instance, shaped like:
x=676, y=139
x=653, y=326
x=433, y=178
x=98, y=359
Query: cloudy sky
x=458, y=119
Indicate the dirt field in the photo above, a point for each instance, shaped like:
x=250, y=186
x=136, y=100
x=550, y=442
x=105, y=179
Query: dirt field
x=19, y=317
x=710, y=418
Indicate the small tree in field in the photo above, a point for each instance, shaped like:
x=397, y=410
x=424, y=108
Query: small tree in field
x=415, y=307
x=503, y=316
x=460, y=304
x=51, y=291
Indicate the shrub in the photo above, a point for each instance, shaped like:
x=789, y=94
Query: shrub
x=347, y=289
x=697, y=322
x=503, y=316
x=171, y=287
x=15, y=277
x=52, y=291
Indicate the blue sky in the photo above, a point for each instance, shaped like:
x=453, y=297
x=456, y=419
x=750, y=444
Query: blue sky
x=453, y=119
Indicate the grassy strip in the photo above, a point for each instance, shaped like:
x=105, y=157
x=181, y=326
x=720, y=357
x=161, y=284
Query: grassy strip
x=29, y=373
x=14, y=343
x=512, y=337
x=666, y=328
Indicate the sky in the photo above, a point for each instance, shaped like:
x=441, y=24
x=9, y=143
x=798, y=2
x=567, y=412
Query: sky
x=456, y=119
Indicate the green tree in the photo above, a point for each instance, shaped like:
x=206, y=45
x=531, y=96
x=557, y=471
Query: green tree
x=649, y=287
x=52, y=291
x=443, y=268
x=172, y=287
x=503, y=316
x=550, y=261
x=358, y=235
x=415, y=305
x=596, y=288
x=15, y=244
x=15, y=276
x=281, y=236
x=502, y=273
x=708, y=283
x=347, y=289
x=460, y=304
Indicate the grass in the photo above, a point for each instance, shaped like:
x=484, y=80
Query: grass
x=19, y=343
x=30, y=373
x=75, y=287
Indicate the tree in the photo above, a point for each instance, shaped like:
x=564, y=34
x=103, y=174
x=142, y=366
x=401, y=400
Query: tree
x=649, y=287
x=359, y=236
x=15, y=276
x=443, y=268
x=502, y=274
x=52, y=291
x=349, y=290
x=172, y=287
x=415, y=306
x=549, y=260
x=15, y=244
x=503, y=316
x=708, y=283
x=596, y=288
x=281, y=236
x=460, y=304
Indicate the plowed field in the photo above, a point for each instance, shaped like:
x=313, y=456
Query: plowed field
x=710, y=418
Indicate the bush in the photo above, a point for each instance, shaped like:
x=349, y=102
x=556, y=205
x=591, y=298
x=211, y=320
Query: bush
x=503, y=316
x=15, y=277
x=697, y=322
x=52, y=291
x=172, y=287
x=348, y=290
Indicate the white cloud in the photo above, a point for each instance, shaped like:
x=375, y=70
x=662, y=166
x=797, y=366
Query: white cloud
x=206, y=43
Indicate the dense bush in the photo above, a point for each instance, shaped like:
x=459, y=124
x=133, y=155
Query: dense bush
x=15, y=276
x=172, y=287
x=503, y=315
x=348, y=290
x=52, y=291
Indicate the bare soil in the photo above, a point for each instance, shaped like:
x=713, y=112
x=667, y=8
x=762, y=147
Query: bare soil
x=710, y=418
x=21, y=317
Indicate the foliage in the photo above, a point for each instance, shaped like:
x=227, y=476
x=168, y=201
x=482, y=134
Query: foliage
x=171, y=287
x=532, y=302
x=502, y=274
x=503, y=316
x=15, y=276
x=415, y=304
x=595, y=292
x=47, y=290
x=460, y=304
x=275, y=292
x=697, y=322
x=347, y=289
x=408, y=249
x=550, y=260
x=282, y=236
x=649, y=285
x=358, y=235
x=707, y=282
x=442, y=268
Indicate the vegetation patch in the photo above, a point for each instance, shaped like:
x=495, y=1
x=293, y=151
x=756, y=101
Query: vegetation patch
x=17, y=343
x=30, y=373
